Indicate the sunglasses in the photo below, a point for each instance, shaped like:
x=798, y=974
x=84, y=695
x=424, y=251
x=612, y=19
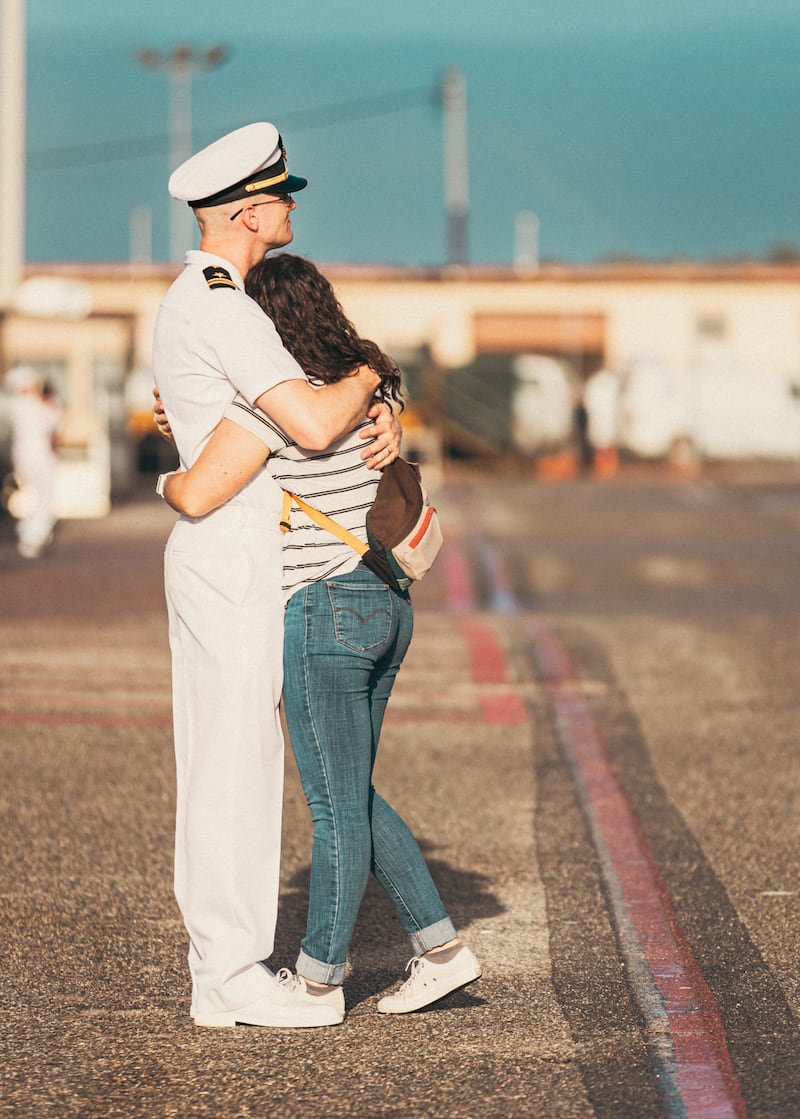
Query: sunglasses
x=286, y=199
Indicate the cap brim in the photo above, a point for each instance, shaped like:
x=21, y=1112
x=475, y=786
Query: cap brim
x=288, y=186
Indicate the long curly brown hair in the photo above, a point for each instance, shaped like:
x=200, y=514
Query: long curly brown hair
x=313, y=326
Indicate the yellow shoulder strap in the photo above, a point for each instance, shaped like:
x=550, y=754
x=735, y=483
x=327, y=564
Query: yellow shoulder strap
x=321, y=519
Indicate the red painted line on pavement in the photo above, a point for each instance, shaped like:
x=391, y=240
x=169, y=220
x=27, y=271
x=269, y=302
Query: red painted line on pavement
x=486, y=653
x=28, y=680
x=47, y=698
x=459, y=594
x=681, y=1014
x=68, y=718
x=489, y=665
x=506, y=710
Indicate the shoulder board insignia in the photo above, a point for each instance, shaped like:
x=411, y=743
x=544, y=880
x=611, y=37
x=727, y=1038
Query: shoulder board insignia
x=217, y=277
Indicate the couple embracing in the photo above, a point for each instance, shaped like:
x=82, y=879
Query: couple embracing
x=266, y=387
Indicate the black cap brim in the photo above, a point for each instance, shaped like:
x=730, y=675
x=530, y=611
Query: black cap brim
x=288, y=186
x=245, y=190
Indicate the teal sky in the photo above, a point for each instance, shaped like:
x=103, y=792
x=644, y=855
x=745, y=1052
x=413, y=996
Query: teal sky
x=503, y=21
x=657, y=129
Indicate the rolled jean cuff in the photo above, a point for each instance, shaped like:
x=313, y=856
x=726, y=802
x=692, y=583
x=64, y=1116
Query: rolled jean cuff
x=424, y=939
x=313, y=969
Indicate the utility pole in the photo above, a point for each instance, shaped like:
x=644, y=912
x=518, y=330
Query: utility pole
x=180, y=65
x=456, y=169
x=12, y=150
x=526, y=240
x=140, y=249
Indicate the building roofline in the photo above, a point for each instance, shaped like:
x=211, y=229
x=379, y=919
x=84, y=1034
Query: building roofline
x=678, y=271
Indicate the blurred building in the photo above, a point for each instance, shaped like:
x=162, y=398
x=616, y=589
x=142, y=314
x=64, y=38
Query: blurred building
x=458, y=334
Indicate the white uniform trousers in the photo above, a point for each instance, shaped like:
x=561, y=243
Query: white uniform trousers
x=35, y=529
x=223, y=585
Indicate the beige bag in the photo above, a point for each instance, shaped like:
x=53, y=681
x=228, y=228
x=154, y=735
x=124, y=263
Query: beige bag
x=403, y=528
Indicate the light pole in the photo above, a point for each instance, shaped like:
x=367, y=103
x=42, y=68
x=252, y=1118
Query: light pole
x=180, y=65
x=456, y=171
x=526, y=240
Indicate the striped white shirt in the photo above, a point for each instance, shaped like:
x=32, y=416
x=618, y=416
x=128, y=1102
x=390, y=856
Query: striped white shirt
x=335, y=481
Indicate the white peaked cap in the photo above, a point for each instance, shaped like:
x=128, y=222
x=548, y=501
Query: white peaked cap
x=249, y=161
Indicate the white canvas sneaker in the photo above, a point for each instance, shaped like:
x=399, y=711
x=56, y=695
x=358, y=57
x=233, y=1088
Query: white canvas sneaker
x=298, y=990
x=287, y=1005
x=429, y=981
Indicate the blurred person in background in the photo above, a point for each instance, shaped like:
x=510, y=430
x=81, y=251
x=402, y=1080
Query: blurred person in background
x=34, y=432
x=53, y=405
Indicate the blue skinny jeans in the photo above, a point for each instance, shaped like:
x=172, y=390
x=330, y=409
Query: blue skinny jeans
x=345, y=639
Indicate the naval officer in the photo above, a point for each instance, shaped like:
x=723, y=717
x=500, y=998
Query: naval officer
x=223, y=579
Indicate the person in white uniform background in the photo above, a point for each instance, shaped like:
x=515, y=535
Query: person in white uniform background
x=34, y=426
x=223, y=578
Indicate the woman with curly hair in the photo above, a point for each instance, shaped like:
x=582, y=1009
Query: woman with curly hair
x=346, y=634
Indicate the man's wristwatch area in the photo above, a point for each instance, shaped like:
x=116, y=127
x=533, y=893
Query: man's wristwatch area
x=162, y=480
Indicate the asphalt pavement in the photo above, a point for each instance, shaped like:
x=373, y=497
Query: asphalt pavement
x=92, y=961
x=94, y=979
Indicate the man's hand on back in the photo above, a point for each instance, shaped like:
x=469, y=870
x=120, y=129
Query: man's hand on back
x=160, y=417
x=387, y=432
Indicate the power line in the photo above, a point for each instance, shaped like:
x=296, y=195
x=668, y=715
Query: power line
x=110, y=151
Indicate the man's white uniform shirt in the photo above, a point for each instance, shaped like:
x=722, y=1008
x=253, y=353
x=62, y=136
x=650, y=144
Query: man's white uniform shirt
x=210, y=342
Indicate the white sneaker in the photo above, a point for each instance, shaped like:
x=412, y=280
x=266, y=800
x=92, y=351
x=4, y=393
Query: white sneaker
x=298, y=988
x=430, y=981
x=288, y=1005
